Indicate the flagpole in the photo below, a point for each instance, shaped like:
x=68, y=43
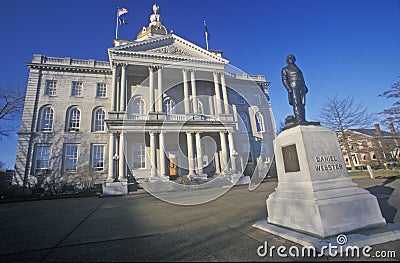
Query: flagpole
x=116, y=27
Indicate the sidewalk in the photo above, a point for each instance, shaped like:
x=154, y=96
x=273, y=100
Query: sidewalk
x=139, y=227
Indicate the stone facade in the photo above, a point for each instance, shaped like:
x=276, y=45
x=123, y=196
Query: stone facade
x=171, y=108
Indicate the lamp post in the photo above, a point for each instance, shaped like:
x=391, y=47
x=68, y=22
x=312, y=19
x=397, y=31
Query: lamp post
x=116, y=158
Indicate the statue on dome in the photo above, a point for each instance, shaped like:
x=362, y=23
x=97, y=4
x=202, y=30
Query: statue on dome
x=155, y=9
x=156, y=16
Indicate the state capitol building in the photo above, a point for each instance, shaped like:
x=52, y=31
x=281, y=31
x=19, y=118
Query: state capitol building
x=161, y=107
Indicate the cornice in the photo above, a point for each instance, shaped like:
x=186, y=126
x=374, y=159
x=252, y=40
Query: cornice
x=67, y=68
x=167, y=58
x=195, y=48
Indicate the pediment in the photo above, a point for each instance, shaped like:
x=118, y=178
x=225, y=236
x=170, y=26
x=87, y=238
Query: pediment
x=168, y=46
x=172, y=50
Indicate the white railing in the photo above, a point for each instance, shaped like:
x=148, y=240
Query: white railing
x=246, y=77
x=77, y=62
x=80, y=62
x=102, y=63
x=54, y=60
x=181, y=117
x=134, y=116
x=177, y=117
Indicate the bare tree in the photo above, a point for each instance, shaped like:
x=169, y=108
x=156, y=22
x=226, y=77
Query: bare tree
x=392, y=115
x=342, y=113
x=11, y=107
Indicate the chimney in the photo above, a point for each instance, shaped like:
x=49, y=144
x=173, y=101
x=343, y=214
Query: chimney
x=392, y=129
x=378, y=129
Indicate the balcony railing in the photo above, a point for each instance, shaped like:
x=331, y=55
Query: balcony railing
x=181, y=117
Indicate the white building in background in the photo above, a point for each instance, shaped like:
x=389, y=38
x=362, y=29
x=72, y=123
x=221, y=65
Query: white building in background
x=161, y=106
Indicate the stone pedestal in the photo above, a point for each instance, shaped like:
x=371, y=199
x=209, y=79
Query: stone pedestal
x=153, y=179
x=314, y=193
x=198, y=177
x=115, y=188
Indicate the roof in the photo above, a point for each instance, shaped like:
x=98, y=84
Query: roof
x=372, y=132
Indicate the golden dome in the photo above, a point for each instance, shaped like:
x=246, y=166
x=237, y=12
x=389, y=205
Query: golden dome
x=155, y=27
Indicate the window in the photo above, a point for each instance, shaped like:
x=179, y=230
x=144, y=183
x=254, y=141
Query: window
x=256, y=99
x=260, y=122
x=169, y=106
x=51, y=88
x=244, y=122
x=138, y=106
x=247, y=151
x=42, y=157
x=46, y=119
x=99, y=116
x=71, y=157
x=76, y=90
x=139, y=156
x=240, y=99
x=98, y=157
x=200, y=107
x=74, y=118
x=101, y=91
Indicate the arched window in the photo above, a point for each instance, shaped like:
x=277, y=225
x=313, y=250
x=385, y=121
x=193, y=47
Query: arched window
x=46, y=119
x=260, y=122
x=98, y=120
x=169, y=106
x=138, y=106
x=74, y=119
x=200, y=107
x=244, y=124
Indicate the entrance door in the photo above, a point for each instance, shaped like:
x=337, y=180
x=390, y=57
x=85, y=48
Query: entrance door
x=173, y=171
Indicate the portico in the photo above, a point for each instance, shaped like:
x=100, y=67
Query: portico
x=169, y=95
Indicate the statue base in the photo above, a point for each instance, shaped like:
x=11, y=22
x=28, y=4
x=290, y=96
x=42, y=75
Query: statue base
x=314, y=193
x=291, y=121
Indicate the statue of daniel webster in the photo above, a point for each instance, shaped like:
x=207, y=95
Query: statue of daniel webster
x=293, y=80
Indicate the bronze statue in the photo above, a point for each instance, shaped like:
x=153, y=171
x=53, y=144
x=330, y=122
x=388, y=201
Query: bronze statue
x=293, y=80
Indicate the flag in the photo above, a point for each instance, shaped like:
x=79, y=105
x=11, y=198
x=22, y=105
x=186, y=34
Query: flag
x=122, y=11
x=206, y=31
x=123, y=22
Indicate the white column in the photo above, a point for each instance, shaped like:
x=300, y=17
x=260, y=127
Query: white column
x=235, y=116
x=153, y=160
x=160, y=90
x=190, y=152
x=123, y=88
x=217, y=94
x=217, y=163
x=224, y=93
x=111, y=149
x=121, y=164
x=224, y=161
x=162, y=154
x=186, y=91
x=151, y=89
x=232, y=152
x=199, y=154
x=114, y=87
x=194, y=95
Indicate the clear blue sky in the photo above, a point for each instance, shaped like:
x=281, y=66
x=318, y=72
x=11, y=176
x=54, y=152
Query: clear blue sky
x=342, y=46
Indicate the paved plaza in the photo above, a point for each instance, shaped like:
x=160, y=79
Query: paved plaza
x=139, y=227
